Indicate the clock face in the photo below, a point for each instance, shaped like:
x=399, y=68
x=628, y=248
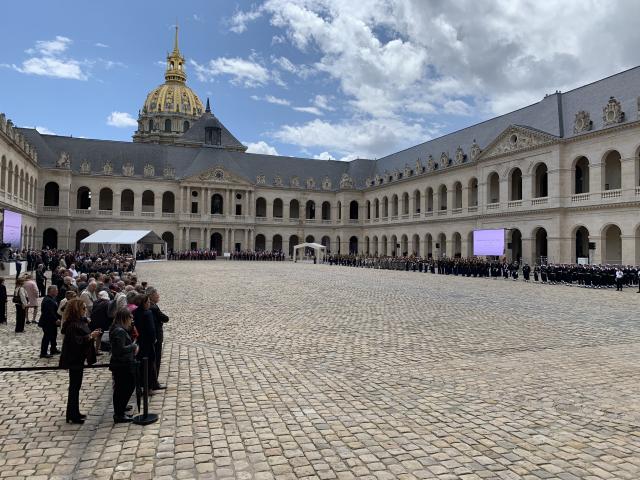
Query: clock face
x=580, y=123
x=219, y=174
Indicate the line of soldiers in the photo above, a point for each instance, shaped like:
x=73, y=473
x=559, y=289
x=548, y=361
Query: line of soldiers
x=587, y=276
x=261, y=255
x=202, y=254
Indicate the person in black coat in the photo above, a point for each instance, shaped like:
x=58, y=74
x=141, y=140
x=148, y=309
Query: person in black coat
x=143, y=321
x=76, y=347
x=41, y=280
x=159, y=319
x=49, y=321
x=99, y=317
x=122, y=364
x=3, y=301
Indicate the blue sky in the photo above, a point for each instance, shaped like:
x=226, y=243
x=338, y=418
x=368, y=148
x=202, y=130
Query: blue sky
x=321, y=78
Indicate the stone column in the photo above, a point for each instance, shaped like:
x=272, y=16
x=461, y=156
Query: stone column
x=187, y=238
x=627, y=168
x=628, y=247
x=504, y=190
x=245, y=244
x=465, y=198
x=180, y=245
x=233, y=201
x=117, y=202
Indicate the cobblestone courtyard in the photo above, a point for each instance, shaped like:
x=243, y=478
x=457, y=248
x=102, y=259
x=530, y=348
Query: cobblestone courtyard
x=284, y=371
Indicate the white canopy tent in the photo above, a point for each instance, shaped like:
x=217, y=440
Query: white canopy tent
x=320, y=250
x=124, y=237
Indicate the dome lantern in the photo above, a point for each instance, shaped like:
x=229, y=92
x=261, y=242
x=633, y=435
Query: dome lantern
x=171, y=108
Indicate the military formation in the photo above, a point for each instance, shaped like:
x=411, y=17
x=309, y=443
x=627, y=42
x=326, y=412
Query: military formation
x=587, y=276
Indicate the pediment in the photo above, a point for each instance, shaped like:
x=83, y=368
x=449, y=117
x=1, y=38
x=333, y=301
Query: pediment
x=517, y=138
x=218, y=175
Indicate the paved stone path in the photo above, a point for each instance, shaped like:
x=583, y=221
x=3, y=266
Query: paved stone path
x=285, y=371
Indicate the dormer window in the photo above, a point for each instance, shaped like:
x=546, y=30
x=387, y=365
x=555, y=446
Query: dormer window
x=212, y=136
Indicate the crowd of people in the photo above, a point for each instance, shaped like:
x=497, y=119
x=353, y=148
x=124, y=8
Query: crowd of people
x=587, y=276
x=201, y=254
x=90, y=295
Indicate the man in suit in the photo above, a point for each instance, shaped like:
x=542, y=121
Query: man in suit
x=49, y=321
x=159, y=319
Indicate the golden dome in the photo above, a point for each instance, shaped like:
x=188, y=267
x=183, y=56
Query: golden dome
x=173, y=97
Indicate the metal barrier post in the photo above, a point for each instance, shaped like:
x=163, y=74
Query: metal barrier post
x=146, y=418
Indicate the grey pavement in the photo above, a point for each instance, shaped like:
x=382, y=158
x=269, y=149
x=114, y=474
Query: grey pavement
x=284, y=371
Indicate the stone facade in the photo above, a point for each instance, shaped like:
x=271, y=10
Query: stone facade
x=565, y=186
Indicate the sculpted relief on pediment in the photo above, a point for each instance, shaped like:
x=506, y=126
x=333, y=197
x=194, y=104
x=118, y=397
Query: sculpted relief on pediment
x=514, y=139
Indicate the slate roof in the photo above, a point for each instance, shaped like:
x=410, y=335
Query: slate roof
x=553, y=115
x=196, y=134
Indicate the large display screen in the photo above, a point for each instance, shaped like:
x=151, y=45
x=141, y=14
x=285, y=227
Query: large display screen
x=12, y=228
x=488, y=242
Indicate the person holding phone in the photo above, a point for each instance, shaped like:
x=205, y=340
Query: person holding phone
x=76, y=347
x=122, y=364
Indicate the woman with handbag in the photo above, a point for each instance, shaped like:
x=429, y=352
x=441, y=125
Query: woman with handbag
x=123, y=364
x=77, y=347
x=21, y=301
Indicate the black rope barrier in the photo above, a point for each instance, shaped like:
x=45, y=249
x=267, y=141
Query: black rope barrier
x=47, y=368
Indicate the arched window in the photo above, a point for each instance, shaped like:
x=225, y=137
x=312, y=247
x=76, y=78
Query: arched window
x=83, y=199
x=217, y=204
x=168, y=203
x=261, y=207
x=310, y=210
x=493, y=188
x=105, y=200
x=515, y=185
x=442, y=197
x=353, y=245
x=416, y=201
x=260, y=242
x=80, y=235
x=540, y=185
x=581, y=176
x=126, y=201
x=457, y=195
x=473, y=192
x=405, y=203
x=185, y=126
x=148, y=201
x=276, y=242
x=385, y=207
x=150, y=125
x=10, y=178
x=167, y=125
x=326, y=211
x=612, y=178
x=394, y=205
x=51, y=194
x=353, y=210
x=294, y=210
x=50, y=238
x=168, y=237
x=278, y=209
x=376, y=208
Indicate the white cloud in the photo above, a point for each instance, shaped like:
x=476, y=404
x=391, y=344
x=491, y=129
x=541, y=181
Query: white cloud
x=261, y=147
x=248, y=73
x=277, y=39
x=198, y=18
x=101, y=45
x=48, y=60
x=240, y=19
x=50, y=47
x=45, y=130
x=364, y=138
x=276, y=100
x=324, y=156
x=302, y=71
x=322, y=101
x=312, y=110
x=390, y=57
x=121, y=120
